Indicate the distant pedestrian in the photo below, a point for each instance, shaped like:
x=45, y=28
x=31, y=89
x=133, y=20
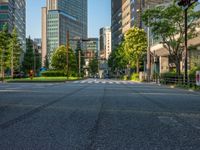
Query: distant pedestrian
x=31, y=74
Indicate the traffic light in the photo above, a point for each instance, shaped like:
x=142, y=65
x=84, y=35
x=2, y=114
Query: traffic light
x=186, y=3
x=183, y=3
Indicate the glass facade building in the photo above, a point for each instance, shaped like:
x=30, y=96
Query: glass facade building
x=13, y=13
x=105, y=43
x=63, y=16
x=126, y=14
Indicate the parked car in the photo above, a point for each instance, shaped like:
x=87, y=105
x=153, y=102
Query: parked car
x=18, y=74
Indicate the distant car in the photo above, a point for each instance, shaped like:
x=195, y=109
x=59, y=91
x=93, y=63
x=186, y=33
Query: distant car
x=18, y=75
x=106, y=77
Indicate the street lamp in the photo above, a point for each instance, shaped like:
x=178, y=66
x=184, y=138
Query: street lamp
x=139, y=10
x=185, y=4
x=79, y=40
x=2, y=65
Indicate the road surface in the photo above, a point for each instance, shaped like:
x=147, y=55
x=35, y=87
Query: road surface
x=98, y=115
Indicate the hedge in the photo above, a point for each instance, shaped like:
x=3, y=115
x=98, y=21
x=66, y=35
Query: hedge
x=53, y=73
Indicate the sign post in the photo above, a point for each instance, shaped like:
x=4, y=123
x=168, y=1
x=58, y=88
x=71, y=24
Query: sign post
x=198, y=78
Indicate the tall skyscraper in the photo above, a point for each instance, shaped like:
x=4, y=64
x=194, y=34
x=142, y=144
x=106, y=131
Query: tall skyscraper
x=126, y=14
x=58, y=17
x=13, y=13
x=105, y=50
x=105, y=43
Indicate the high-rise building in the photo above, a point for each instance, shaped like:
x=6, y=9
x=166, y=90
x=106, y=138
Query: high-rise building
x=105, y=50
x=126, y=14
x=92, y=48
x=13, y=13
x=105, y=43
x=90, y=52
x=58, y=17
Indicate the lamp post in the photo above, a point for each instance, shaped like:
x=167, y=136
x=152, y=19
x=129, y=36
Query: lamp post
x=186, y=4
x=148, y=70
x=2, y=65
x=12, y=63
x=67, y=54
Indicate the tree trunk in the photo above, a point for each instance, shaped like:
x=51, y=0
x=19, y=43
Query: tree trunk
x=137, y=66
x=178, y=71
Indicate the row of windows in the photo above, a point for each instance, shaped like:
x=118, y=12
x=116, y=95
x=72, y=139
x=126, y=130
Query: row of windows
x=3, y=7
x=3, y=16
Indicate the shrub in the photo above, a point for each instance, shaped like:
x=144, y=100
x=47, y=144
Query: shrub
x=135, y=77
x=192, y=72
x=125, y=77
x=53, y=73
x=171, y=77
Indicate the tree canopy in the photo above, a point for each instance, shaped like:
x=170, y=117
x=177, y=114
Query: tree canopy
x=59, y=62
x=130, y=51
x=135, y=45
x=28, y=63
x=167, y=26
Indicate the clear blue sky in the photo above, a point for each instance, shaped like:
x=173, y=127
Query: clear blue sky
x=99, y=13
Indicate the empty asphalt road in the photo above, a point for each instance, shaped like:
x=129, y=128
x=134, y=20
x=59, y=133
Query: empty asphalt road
x=98, y=115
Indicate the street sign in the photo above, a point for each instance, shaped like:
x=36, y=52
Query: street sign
x=198, y=78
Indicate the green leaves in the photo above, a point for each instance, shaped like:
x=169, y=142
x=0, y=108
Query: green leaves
x=15, y=50
x=130, y=51
x=167, y=25
x=135, y=45
x=93, y=66
x=28, y=63
x=59, y=62
x=5, y=38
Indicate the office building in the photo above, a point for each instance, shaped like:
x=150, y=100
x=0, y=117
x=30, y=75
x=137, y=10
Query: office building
x=105, y=43
x=58, y=17
x=105, y=50
x=126, y=14
x=13, y=13
x=90, y=52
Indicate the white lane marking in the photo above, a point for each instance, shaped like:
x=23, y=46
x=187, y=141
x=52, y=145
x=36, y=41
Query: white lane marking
x=169, y=121
x=1, y=91
x=83, y=82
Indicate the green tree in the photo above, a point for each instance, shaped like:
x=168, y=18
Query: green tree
x=38, y=60
x=46, y=62
x=118, y=59
x=4, y=48
x=167, y=25
x=135, y=46
x=79, y=52
x=28, y=63
x=59, y=62
x=15, y=51
x=93, y=66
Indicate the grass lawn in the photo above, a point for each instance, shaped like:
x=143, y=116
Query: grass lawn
x=44, y=79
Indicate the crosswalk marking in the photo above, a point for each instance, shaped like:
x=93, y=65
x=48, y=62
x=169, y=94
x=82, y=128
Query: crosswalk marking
x=105, y=82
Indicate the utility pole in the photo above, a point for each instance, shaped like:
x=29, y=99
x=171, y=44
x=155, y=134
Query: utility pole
x=2, y=65
x=186, y=4
x=148, y=58
x=12, y=65
x=34, y=62
x=67, y=54
x=79, y=62
x=186, y=46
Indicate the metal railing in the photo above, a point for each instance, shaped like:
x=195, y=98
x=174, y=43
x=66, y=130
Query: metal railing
x=179, y=81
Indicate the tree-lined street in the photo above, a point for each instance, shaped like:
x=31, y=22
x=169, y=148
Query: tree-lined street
x=98, y=114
